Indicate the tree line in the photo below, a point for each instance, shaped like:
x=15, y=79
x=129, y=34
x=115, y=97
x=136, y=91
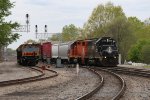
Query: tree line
x=6, y=35
x=132, y=35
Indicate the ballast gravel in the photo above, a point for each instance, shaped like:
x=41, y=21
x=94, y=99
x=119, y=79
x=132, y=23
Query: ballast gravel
x=66, y=86
x=137, y=88
x=110, y=88
x=11, y=70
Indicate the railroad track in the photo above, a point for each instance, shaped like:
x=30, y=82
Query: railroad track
x=91, y=95
x=41, y=76
x=129, y=71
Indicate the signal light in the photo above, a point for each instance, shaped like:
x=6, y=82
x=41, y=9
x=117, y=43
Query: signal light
x=27, y=15
x=45, y=28
x=36, y=28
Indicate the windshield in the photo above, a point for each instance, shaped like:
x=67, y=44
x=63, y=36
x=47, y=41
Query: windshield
x=105, y=47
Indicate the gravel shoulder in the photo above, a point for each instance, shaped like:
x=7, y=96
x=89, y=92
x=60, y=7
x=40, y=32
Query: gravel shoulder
x=137, y=88
x=66, y=86
x=138, y=67
x=11, y=70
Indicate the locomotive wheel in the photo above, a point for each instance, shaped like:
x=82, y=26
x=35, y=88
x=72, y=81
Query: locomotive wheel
x=98, y=62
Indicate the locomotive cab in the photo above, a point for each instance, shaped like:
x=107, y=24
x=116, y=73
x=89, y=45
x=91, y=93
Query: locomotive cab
x=108, y=51
x=28, y=54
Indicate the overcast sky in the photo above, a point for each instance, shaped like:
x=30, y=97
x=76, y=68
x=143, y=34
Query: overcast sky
x=58, y=13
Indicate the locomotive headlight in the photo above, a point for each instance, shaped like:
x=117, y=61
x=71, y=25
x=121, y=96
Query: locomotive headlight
x=105, y=57
x=109, y=50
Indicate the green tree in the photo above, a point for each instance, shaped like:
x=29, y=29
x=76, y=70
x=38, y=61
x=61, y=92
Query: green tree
x=145, y=52
x=6, y=35
x=141, y=30
x=55, y=37
x=134, y=54
x=147, y=21
x=102, y=16
x=70, y=32
x=140, y=52
x=119, y=30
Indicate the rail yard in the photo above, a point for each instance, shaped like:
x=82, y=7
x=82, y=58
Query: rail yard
x=92, y=83
x=98, y=55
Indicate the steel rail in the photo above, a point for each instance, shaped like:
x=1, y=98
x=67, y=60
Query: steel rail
x=17, y=81
x=127, y=68
x=123, y=84
x=90, y=94
x=130, y=71
x=29, y=79
x=47, y=77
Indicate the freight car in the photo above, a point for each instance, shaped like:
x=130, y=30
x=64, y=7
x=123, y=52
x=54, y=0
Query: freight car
x=28, y=54
x=54, y=53
x=60, y=50
x=46, y=52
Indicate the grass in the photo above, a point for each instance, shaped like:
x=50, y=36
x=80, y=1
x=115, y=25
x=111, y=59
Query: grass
x=147, y=66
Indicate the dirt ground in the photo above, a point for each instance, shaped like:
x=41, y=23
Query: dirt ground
x=66, y=86
x=11, y=70
x=137, y=88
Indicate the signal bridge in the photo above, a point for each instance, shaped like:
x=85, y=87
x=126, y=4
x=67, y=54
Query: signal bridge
x=23, y=28
x=45, y=34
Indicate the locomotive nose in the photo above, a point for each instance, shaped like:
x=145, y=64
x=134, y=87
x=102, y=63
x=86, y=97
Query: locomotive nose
x=109, y=50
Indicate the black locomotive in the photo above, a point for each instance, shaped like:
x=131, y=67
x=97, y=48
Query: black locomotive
x=108, y=51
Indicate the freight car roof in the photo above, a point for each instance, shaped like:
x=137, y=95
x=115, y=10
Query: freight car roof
x=64, y=43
